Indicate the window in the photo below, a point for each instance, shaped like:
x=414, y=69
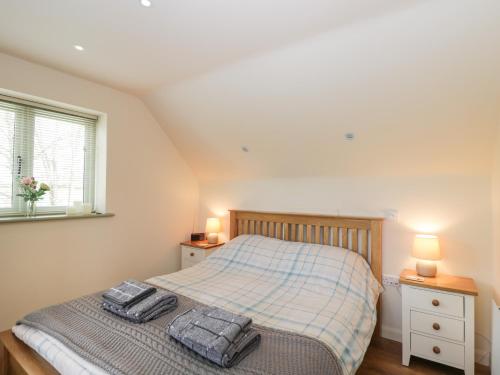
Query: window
x=54, y=145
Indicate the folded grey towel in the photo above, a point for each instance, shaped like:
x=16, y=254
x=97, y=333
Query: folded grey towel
x=218, y=335
x=150, y=308
x=128, y=293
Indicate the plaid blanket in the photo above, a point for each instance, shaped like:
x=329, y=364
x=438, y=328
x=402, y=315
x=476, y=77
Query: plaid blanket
x=315, y=290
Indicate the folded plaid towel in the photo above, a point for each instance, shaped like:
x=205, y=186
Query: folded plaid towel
x=150, y=308
x=218, y=335
x=128, y=293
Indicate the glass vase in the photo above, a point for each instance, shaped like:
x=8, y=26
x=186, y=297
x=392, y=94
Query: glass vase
x=31, y=209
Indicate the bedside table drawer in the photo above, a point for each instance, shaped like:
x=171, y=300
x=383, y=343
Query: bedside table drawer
x=437, y=325
x=443, y=303
x=192, y=254
x=437, y=350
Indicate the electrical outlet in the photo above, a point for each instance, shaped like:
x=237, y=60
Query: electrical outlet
x=390, y=280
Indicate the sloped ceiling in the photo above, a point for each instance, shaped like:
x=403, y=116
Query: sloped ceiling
x=137, y=49
x=419, y=88
x=416, y=82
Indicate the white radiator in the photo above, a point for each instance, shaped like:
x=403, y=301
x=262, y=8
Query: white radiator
x=495, y=342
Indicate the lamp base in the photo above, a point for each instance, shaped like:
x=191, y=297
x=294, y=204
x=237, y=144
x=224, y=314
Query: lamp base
x=213, y=238
x=426, y=268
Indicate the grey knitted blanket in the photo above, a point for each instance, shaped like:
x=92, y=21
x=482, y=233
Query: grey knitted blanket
x=120, y=347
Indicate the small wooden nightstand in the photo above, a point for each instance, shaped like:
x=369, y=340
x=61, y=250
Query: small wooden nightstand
x=193, y=252
x=438, y=320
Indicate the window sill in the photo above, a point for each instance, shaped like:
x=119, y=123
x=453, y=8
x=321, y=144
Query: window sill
x=24, y=219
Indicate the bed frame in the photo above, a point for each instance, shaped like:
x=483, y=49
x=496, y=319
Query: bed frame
x=360, y=234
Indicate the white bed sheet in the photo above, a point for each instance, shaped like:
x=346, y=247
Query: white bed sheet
x=57, y=354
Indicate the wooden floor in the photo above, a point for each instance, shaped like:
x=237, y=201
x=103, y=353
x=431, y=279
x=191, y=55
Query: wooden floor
x=384, y=358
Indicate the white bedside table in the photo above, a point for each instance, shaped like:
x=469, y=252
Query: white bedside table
x=438, y=320
x=193, y=252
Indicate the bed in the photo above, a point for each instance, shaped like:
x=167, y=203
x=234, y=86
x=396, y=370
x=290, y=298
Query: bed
x=312, y=275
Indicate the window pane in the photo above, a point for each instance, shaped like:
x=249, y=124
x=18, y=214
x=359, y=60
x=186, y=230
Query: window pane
x=7, y=121
x=59, y=160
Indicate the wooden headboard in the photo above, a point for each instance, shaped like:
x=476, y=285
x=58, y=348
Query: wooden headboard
x=359, y=234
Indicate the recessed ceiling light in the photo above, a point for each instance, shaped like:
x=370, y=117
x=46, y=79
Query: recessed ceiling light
x=146, y=3
x=78, y=47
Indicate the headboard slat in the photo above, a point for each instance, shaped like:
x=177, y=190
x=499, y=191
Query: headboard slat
x=309, y=234
x=345, y=238
x=326, y=235
x=364, y=243
x=354, y=240
x=271, y=230
x=300, y=237
x=335, y=238
x=317, y=238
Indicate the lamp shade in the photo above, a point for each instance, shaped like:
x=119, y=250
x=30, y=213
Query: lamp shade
x=213, y=225
x=426, y=247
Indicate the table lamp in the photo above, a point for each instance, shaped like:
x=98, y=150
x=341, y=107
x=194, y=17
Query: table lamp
x=426, y=249
x=213, y=228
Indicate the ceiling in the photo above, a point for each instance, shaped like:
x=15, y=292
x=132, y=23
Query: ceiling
x=417, y=82
x=419, y=88
x=137, y=49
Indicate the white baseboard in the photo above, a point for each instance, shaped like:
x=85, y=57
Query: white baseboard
x=481, y=356
x=391, y=333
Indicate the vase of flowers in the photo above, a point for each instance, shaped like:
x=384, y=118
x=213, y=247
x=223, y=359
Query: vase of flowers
x=31, y=192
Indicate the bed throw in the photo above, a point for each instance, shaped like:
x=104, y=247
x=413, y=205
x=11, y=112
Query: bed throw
x=120, y=347
x=218, y=335
x=150, y=308
x=128, y=293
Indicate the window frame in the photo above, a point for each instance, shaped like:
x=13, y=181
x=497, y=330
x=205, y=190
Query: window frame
x=25, y=115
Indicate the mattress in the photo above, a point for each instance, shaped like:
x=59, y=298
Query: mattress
x=319, y=291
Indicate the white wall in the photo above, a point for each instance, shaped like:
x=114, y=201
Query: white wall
x=496, y=219
x=422, y=100
x=458, y=208
x=495, y=366
x=150, y=188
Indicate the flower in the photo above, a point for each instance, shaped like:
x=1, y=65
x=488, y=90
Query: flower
x=44, y=187
x=27, y=181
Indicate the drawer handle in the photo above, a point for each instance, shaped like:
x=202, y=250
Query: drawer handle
x=435, y=302
x=192, y=254
x=436, y=326
x=436, y=350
